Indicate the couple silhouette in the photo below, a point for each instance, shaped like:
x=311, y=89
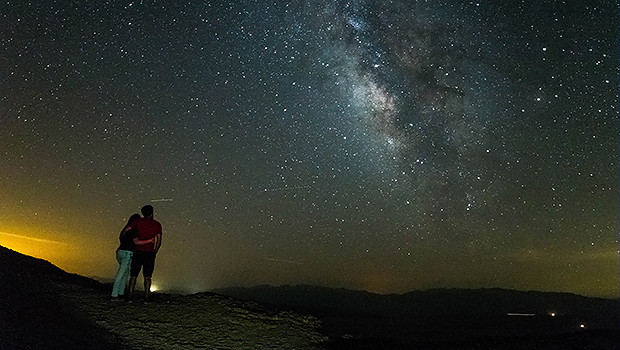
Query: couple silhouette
x=140, y=241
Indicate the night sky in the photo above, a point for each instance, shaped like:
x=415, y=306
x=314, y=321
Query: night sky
x=379, y=145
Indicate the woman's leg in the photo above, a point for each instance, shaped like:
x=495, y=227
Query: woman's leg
x=124, y=263
x=127, y=263
x=117, y=279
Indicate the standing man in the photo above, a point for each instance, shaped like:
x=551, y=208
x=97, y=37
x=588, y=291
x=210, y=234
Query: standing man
x=144, y=255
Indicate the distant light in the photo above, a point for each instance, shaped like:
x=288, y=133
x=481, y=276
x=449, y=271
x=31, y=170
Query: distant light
x=582, y=326
x=552, y=314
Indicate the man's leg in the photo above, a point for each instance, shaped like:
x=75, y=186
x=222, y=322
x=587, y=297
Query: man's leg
x=147, y=272
x=132, y=286
x=147, y=287
x=136, y=265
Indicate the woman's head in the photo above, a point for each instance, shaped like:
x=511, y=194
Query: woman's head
x=133, y=218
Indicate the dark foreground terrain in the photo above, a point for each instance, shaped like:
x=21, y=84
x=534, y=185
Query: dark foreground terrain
x=450, y=318
x=43, y=307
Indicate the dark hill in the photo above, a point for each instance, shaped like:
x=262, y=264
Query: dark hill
x=441, y=317
x=33, y=314
x=430, y=303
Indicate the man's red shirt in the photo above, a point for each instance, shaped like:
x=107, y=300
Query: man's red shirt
x=147, y=229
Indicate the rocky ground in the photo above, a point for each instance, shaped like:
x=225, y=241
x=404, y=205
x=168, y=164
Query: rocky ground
x=201, y=321
x=42, y=307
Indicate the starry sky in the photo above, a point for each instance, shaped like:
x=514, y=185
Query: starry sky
x=387, y=146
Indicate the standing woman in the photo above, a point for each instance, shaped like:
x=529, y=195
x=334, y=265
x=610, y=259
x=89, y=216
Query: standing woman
x=124, y=254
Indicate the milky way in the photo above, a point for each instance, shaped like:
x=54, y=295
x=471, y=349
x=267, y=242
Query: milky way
x=380, y=145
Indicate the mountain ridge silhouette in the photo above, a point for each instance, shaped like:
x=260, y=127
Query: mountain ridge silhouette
x=459, y=301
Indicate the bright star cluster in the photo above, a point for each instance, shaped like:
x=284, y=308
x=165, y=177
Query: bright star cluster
x=378, y=145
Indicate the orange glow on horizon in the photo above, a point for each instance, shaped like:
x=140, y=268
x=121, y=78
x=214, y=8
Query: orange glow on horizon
x=46, y=249
x=85, y=258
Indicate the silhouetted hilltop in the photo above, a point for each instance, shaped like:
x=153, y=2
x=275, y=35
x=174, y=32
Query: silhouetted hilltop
x=451, y=318
x=23, y=267
x=431, y=303
x=43, y=307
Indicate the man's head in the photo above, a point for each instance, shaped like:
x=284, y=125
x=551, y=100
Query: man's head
x=147, y=210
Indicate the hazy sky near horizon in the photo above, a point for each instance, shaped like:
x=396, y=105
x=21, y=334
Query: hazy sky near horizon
x=378, y=145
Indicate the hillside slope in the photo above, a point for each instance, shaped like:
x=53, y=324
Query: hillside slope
x=42, y=306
